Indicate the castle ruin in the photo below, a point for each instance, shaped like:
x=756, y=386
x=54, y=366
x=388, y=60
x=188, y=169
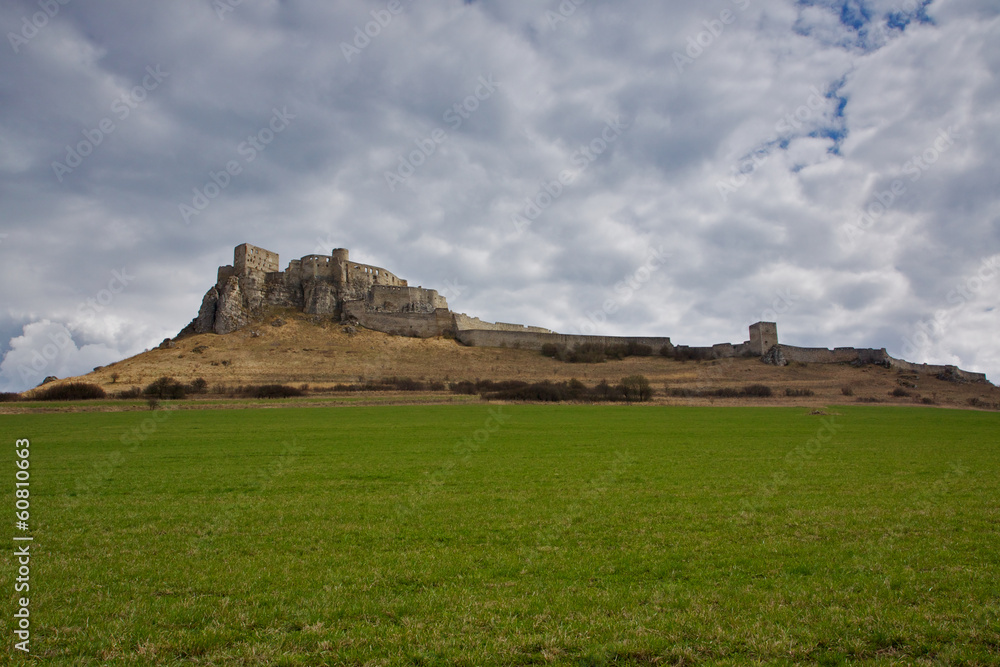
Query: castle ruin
x=349, y=292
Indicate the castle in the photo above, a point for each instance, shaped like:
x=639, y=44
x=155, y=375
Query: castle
x=349, y=292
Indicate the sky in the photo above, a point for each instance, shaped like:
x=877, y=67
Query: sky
x=620, y=167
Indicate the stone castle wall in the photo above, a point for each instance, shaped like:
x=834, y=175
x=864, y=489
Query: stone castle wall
x=532, y=340
x=250, y=257
x=405, y=299
x=463, y=322
x=413, y=324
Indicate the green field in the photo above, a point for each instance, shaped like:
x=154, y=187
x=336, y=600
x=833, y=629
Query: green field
x=575, y=535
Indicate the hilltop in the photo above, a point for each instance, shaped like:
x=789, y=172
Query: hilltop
x=287, y=346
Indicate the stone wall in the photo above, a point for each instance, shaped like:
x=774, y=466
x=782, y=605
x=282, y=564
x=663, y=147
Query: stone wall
x=822, y=355
x=531, y=340
x=948, y=372
x=250, y=257
x=463, y=322
x=374, y=275
x=417, y=325
x=405, y=299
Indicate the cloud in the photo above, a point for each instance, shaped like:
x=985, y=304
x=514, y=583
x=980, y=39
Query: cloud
x=47, y=348
x=806, y=112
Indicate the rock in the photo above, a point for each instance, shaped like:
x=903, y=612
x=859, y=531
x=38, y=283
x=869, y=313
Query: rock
x=774, y=357
x=278, y=323
x=230, y=313
x=50, y=378
x=205, y=321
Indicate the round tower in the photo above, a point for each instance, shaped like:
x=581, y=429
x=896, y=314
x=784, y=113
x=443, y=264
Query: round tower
x=338, y=265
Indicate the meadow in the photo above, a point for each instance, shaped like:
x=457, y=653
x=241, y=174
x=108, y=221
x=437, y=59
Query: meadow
x=510, y=535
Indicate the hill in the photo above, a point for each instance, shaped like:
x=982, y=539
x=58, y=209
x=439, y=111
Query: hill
x=288, y=346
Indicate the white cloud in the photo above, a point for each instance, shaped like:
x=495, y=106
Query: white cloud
x=837, y=104
x=47, y=348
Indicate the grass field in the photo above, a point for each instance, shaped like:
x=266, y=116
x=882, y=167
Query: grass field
x=505, y=535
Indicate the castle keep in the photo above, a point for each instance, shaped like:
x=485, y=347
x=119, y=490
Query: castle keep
x=374, y=298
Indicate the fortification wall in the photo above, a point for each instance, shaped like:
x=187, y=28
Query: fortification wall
x=820, y=355
x=417, y=325
x=952, y=372
x=317, y=267
x=464, y=322
x=372, y=275
x=224, y=274
x=406, y=299
x=250, y=257
x=532, y=340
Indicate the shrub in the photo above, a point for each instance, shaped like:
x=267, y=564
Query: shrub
x=634, y=349
x=463, y=387
x=131, y=392
x=436, y=386
x=166, y=387
x=757, y=391
x=636, y=388
x=847, y=391
x=73, y=391
x=199, y=386
x=799, y=392
x=587, y=353
x=404, y=384
x=274, y=391
x=899, y=392
x=9, y=397
x=552, y=350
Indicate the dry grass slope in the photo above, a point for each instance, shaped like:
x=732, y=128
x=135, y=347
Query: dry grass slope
x=321, y=353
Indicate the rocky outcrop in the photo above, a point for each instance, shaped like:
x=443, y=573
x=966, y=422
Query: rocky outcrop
x=319, y=285
x=774, y=356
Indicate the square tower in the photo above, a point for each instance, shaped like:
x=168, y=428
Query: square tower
x=248, y=257
x=763, y=336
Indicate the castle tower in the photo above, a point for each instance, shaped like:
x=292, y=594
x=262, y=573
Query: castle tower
x=339, y=261
x=763, y=336
x=248, y=257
